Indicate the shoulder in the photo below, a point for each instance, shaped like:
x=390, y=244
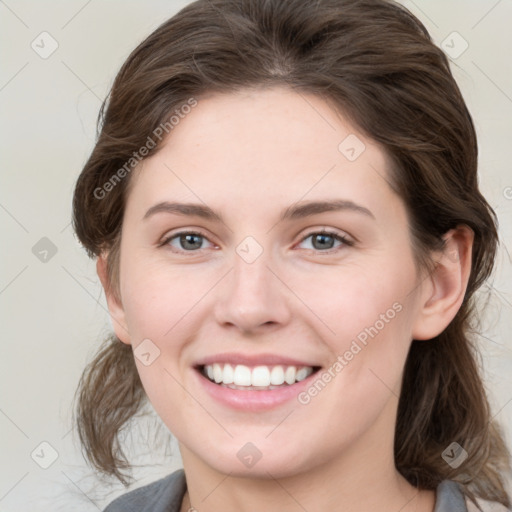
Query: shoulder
x=164, y=495
x=451, y=498
x=486, y=506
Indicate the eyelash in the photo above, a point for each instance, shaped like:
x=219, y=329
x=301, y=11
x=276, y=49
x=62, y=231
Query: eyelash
x=332, y=234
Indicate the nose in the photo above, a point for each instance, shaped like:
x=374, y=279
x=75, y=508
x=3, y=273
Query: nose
x=252, y=297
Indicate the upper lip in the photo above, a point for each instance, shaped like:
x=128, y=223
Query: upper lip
x=252, y=360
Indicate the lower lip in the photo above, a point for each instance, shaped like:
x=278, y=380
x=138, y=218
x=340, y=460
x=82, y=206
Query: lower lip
x=253, y=400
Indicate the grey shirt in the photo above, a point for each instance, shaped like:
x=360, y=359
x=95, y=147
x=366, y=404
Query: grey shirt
x=166, y=495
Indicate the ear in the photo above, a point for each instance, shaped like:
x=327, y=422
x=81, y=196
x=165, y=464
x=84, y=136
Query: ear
x=444, y=289
x=114, y=303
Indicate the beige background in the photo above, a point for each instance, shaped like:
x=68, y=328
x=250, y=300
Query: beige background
x=53, y=312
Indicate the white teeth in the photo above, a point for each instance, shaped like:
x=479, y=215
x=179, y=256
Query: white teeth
x=303, y=373
x=258, y=376
x=277, y=376
x=228, y=375
x=217, y=373
x=289, y=374
x=242, y=376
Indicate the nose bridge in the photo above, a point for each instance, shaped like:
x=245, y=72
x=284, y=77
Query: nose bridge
x=251, y=270
x=252, y=296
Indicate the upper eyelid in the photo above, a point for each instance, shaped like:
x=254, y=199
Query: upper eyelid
x=168, y=237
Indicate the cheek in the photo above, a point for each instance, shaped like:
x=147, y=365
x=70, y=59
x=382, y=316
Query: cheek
x=158, y=297
x=373, y=353
x=366, y=322
x=343, y=302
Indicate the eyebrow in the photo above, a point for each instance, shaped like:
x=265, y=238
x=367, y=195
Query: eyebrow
x=296, y=211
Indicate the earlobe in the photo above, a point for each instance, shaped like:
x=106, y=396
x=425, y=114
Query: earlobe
x=444, y=289
x=114, y=303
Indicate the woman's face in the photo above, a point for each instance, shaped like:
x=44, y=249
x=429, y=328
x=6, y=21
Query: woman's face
x=259, y=288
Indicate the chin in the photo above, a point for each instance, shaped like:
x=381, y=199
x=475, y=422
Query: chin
x=246, y=460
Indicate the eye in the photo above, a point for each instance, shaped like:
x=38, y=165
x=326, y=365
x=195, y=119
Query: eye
x=323, y=240
x=185, y=241
x=192, y=241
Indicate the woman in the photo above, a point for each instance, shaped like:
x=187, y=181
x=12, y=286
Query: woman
x=284, y=208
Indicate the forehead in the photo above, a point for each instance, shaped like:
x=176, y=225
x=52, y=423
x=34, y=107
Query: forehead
x=266, y=125
x=265, y=146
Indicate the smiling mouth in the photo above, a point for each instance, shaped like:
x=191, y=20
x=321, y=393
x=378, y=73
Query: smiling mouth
x=256, y=378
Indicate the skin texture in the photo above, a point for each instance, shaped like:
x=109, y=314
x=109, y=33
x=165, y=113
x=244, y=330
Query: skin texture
x=248, y=156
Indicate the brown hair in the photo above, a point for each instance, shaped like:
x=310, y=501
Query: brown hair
x=374, y=62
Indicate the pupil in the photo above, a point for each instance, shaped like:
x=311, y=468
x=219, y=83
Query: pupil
x=322, y=237
x=185, y=239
